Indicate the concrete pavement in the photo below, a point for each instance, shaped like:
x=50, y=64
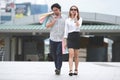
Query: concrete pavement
x=45, y=71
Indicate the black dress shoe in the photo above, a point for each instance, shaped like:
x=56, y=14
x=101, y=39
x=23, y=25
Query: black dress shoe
x=57, y=72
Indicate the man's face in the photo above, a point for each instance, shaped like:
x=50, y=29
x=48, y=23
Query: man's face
x=56, y=11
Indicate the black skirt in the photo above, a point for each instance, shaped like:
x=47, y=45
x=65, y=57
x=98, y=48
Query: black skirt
x=73, y=40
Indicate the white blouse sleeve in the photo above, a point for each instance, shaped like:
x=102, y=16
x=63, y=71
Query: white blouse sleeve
x=80, y=21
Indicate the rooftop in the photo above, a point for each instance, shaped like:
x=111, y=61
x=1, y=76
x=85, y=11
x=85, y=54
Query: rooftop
x=85, y=29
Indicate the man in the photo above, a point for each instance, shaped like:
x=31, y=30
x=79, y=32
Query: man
x=56, y=22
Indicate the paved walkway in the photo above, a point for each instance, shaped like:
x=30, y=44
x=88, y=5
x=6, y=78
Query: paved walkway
x=45, y=71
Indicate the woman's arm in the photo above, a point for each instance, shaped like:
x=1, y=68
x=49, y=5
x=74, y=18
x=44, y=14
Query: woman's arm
x=78, y=22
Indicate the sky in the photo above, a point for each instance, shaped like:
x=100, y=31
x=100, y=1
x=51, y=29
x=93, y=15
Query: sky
x=110, y=7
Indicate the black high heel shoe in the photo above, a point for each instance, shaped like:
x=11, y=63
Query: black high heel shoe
x=76, y=72
x=70, y=73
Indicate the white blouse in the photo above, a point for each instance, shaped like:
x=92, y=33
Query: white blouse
x=70, y=26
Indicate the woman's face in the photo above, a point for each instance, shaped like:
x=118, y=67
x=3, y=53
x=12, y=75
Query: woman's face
x=73, y=10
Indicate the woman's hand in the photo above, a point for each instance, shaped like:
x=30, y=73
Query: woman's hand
x=76, y=14
x=65, y=43
x=76, y=20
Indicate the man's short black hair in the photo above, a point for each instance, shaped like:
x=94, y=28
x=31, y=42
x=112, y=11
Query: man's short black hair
x=56, y=5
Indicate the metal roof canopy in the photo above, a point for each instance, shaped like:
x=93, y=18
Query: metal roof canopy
x=85, y=29
x=113, y=30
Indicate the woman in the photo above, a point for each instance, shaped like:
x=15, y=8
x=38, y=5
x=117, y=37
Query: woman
x=72, y=37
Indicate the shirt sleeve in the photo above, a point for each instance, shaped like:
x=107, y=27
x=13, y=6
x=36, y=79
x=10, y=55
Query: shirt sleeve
x=80, y=21
x=66, y=30
x=49, y=19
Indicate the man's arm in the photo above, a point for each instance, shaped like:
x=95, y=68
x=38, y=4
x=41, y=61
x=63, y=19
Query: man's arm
x=51, y=23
